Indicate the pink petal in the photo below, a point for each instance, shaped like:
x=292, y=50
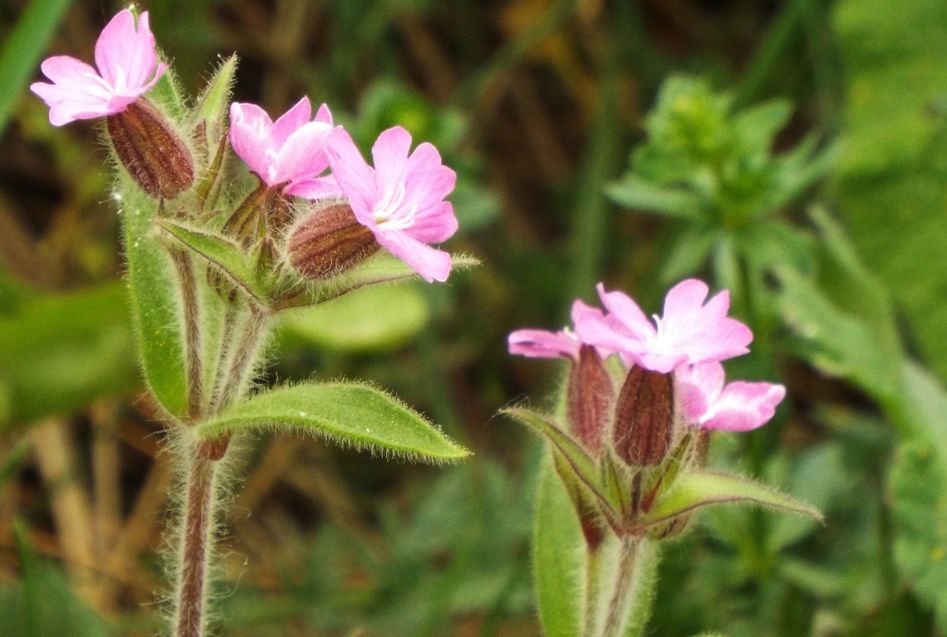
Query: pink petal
x=743, y=406
x=126, y=56
x=543, y=344
x=250, y=137
x=355, y=177
x=323, y=115
x=290, y=122
x=303, y=156
x=698, y=386
x=390, y=156
x=430, y=263
x=438, y=224
x=627, y=312
x=317, y=188
x=685, y=298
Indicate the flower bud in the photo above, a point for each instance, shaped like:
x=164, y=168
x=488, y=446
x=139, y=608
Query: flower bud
x=264, y=212
x=330, y=241
x=151, y=150
x=590, y=395
x=644, y=417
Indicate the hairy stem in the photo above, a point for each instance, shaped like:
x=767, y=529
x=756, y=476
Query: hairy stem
x=592, y=587
x=226, y=345
x=617, y=605
x=196, y=545
x=245, y=352
x=192, y=332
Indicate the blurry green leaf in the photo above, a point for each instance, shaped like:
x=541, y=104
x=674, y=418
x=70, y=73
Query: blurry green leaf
x=44, y=604
x=919, y=506
x=755, y=127
x=821, y=478
x=693, y=490
x=349, y=414
x=221, y=252
x=892, y=179
x=10, y=462
x=152, y=287
x=60, y=352
x=19, y=57
x=353, y=322
x=851, y=334
x=557, y=557
x=633, y=192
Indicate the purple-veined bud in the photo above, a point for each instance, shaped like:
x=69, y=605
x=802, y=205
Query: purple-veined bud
x=153, y=153
x=644, y=417
x=329, y=241
x=590, y=395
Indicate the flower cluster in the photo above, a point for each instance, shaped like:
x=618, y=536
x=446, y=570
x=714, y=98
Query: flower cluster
x=397, y=204
x=634, y=423
x=688, y=341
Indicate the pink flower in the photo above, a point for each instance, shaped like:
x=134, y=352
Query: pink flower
x=401, y=199
x=689, y=331
x=290, y=151
x=562, y=344
x=738, y=406
x=127, y=67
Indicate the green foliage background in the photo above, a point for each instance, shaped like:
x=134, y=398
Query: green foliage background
x=794, y=152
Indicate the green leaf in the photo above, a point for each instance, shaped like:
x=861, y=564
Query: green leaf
x=23, y=47
x=584, y=466
x=693, y=490
x=154, y=300
x=350, y=414
x=633, y=192
x=558, y=548
x=60, y=352
x=892, y=177
x=352, y=323
x=229, y=257
x=919, y=508
x=383, y=267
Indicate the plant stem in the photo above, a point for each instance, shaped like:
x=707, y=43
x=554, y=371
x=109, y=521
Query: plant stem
x=592, y=586
x=244, y=358
x=618, y=605
x=192, y=332
x=196, y=544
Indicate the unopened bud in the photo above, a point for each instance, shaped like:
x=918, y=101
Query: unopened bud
x=590, y=394
x=644, y=417
x=330, y=241
x=151, y=150
x=264, y=212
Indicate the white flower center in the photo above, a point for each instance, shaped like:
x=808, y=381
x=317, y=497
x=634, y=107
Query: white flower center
x=390, y=213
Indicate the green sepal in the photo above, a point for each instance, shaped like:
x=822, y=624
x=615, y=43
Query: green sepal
x=616, y=482
x=693, y=490
x=383, y=267
x=584, y=467
x=349, y=414
x=212, y=105
x=222, y=252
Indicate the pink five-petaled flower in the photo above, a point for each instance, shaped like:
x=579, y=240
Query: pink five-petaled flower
x=565, y=343
x=737, y=406
x=689, y=331
x=127, y=67
x=401, y=199
x=289, y=151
